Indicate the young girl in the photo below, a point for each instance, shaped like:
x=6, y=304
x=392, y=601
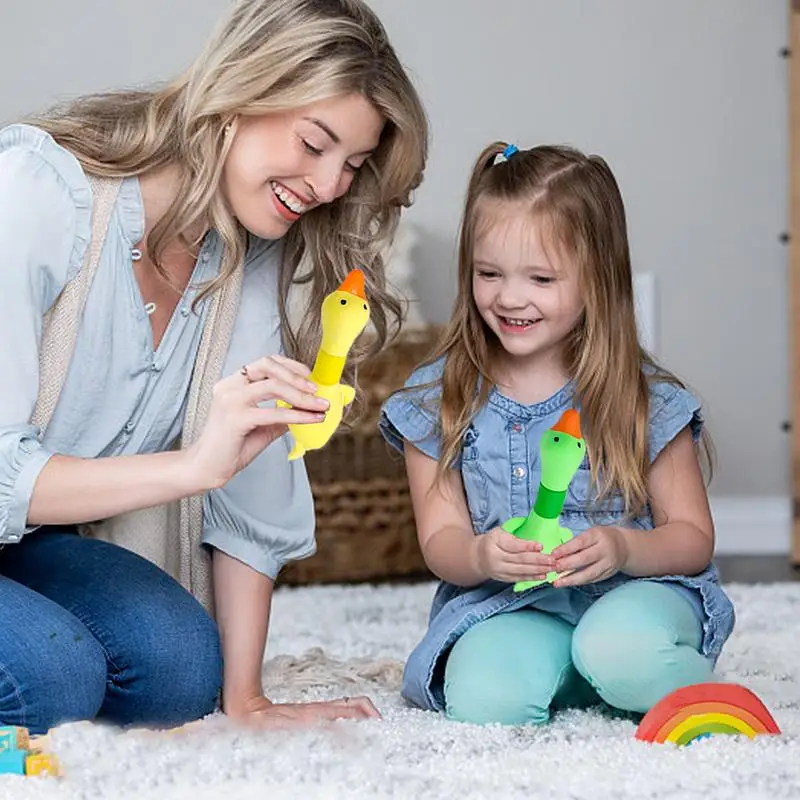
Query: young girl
x=293, y=142
x=544, y=322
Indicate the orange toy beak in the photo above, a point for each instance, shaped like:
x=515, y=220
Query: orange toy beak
x=354, y=284
x=570, y=423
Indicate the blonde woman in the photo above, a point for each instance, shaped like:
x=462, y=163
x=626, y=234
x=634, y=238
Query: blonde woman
x=544, y=323
x=292, y=143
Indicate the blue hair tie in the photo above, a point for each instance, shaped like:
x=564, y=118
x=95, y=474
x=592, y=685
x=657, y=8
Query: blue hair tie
x=509, y=151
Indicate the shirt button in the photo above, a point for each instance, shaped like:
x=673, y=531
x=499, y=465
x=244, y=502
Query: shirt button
x=13, y=537
x=516, y=427
x=129, y=426
x=156, y=366
x=519, y=472
x=184, y=311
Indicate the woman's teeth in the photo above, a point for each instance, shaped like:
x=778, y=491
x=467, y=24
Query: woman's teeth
x=288, y=199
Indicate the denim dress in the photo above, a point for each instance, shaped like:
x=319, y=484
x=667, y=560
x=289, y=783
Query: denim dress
x=500, y=467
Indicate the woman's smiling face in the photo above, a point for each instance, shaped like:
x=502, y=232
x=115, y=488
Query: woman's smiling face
x=282, y=165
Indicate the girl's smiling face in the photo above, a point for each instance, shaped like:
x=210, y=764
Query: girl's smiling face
x=525, y=289
x=282, y=165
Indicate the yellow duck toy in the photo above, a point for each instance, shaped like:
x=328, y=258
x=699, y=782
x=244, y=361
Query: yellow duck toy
x=345, y=314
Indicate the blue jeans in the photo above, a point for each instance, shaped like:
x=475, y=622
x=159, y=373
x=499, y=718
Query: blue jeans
x=633, y=646
x=91, y=630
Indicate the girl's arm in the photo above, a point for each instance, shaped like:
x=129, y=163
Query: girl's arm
x=444, y=527
x=452, y=550
x=682, y=542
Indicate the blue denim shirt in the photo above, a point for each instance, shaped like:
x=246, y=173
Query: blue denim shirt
x=500, y=466
x=121, y=396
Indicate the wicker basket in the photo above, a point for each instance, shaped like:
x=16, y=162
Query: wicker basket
x=365, y=521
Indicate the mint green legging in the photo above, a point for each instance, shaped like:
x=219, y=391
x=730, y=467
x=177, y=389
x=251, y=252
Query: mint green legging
x=631, y=648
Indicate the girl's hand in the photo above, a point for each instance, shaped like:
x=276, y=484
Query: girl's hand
x=504, y=557
x=594, y=555
x=261, y=712
x=238, y=429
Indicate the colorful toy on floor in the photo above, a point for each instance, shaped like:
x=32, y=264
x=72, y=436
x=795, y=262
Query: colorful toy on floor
x=345, y=314
x=706, y=709
x=562, y=451
x=22, y=755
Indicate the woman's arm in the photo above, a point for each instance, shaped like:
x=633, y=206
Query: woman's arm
x=72, y=490
x=243, y=600
x=242, y=604
x=449, y=544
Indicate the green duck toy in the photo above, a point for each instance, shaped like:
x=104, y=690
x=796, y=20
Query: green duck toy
x=562, y=450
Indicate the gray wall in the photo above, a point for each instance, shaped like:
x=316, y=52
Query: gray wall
x=687, y=100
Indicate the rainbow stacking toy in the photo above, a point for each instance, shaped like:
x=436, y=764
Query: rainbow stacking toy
x=706, y=709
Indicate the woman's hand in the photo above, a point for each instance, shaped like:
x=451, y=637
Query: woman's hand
x=504, y=557
x=263, y=713
x=238, y=429
x=594, y=555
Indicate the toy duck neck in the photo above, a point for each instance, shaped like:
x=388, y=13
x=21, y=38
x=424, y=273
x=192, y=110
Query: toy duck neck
x=549, y=503
x=327, y=369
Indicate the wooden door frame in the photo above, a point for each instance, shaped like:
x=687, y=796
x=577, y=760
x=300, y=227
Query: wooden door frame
x=794, y=265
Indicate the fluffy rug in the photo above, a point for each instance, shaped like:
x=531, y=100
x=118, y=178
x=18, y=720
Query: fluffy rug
x=348, y=640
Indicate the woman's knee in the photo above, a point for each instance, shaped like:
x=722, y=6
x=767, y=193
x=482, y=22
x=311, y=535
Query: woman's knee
x=508, y=669
x=637, y=644
x=47, y=683
x=170, y=672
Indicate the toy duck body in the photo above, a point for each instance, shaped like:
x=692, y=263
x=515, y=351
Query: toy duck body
x=562, y=450
x=345, y=314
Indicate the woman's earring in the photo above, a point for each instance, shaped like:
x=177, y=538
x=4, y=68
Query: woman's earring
x=227, y=128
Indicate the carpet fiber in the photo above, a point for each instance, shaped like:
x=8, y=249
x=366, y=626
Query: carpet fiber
x=349, y=640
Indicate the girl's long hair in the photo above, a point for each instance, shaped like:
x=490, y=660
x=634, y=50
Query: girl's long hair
x=577, y=199
x=269, y=56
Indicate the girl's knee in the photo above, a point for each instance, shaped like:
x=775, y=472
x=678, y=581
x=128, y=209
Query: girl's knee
x=471, y=697
x=507, y=669
x=633, y=655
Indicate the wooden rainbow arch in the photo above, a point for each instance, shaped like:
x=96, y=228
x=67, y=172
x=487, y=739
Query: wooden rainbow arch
x=706, y=709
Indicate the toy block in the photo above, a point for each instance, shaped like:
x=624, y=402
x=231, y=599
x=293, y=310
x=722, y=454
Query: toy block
x=12, y=737
x=12, y=762
x=42, y=764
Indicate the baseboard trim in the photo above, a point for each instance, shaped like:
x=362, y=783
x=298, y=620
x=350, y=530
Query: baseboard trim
x=752, y=525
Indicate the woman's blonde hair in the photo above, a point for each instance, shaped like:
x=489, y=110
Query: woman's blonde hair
x=269, y=56
x=578, y=202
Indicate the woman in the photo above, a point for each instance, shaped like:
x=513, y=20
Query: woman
x=293, y=141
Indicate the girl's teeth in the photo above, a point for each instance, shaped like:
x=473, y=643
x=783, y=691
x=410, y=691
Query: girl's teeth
x=518, y=322
x=288, y=199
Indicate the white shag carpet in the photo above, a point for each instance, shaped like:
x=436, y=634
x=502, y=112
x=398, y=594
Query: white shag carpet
x=327, y=635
